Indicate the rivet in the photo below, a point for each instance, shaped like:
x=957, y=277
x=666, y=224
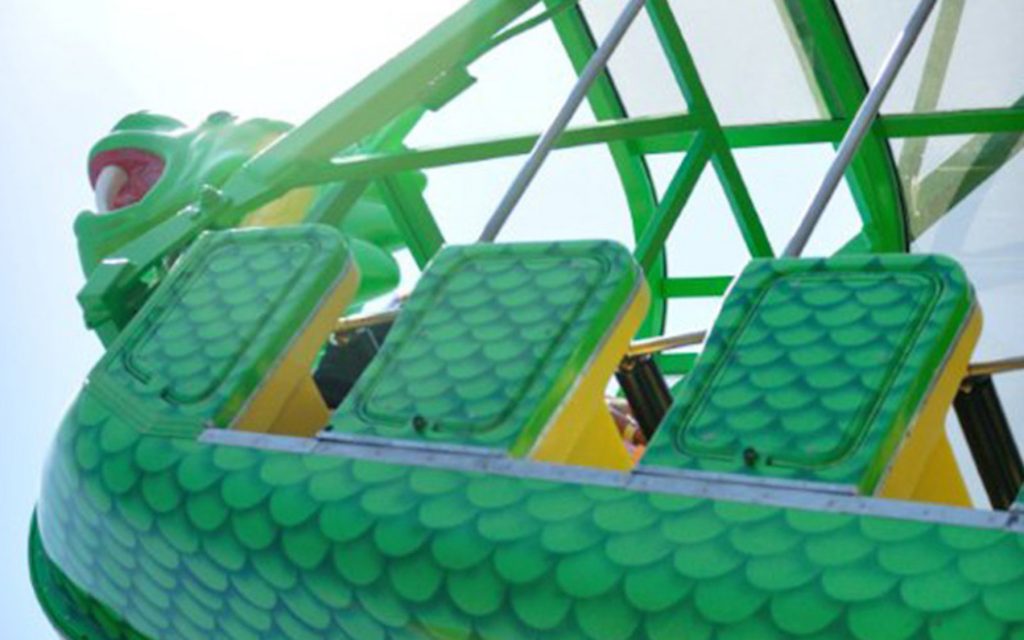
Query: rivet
x=419, y=424
x=750, y=456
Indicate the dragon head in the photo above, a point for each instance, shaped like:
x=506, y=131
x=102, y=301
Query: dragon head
x=151, y=166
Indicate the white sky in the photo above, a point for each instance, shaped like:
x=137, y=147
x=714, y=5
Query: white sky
x=69, y=70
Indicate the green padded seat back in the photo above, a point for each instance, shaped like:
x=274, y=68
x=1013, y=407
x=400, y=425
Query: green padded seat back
x=207, y=338
x=816, y=367
x=490, y=343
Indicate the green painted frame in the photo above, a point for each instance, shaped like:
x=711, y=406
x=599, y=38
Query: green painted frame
x=358, y=138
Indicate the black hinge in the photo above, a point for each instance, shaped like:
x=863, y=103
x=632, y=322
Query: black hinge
x=990, y=440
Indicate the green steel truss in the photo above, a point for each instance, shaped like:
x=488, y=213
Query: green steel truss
x=357, y=140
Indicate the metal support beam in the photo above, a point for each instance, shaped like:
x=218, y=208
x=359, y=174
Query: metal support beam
x=652, y=346
x=546, y=143
x=652, y=242
x=671, y=133
x=334, y=205
x=605, y=102
x=860, y=125
x=936, y=68
x=685, y=71
x=380, y=98
x=995, y=367
x=412, y=215
x=703, y=287
x=872, y=176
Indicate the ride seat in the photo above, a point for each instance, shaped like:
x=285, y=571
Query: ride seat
x=835, y=371
x=229, y=338
x=506, y=348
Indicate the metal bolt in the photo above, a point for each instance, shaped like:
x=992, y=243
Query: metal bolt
x=210, y=198
x=750, y=456
x=419, y=424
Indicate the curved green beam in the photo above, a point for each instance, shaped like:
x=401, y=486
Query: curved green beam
x=405, y=82
x=606, y=104
x=685, y=71
x=872, y=173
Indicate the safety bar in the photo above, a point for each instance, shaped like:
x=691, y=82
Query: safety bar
x=659, y=344
x=595, y=66
x=993, y=367
x=859, y=128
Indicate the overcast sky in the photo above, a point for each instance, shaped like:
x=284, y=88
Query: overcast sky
x=68, y=71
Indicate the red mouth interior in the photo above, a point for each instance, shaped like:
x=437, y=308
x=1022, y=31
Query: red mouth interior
x=142, y=167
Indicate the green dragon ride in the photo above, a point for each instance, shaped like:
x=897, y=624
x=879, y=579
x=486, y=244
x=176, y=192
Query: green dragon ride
x=211, y=481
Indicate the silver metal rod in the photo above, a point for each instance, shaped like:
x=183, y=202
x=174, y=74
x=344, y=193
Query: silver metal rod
x=363, y=320
x=859, y=127
x=651, y=346
x=539, y=153
x=995, y=367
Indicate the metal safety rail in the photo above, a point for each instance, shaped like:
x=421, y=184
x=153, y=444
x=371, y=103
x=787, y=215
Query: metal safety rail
x=866, y=115
x=661, y=344
x=595, y=67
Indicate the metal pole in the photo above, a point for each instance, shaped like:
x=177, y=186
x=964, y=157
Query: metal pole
x=595, y=66
x=650, y=346
x=859, y=127
x=995, y=367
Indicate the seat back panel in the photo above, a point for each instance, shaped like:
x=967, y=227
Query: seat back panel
x=227, y=322
x=491, y=342
x=816, y=369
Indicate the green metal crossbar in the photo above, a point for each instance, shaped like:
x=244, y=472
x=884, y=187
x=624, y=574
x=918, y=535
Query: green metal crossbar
x=936, y=68
x=652, y=242
x=424, y=237
x=951, y=123
x=605, y=102
x=383, y=96
x=357, y=140
x=872, y=173
x=685, y=71
x=676, y=364
x=661, y=134
x=702, y=287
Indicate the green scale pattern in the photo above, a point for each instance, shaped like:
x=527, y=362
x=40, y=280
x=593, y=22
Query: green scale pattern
x=490, y=343
x=146, y=536
x=207, y=337
x=817, y=368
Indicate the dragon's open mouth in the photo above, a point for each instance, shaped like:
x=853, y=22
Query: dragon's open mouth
x=122, y=177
